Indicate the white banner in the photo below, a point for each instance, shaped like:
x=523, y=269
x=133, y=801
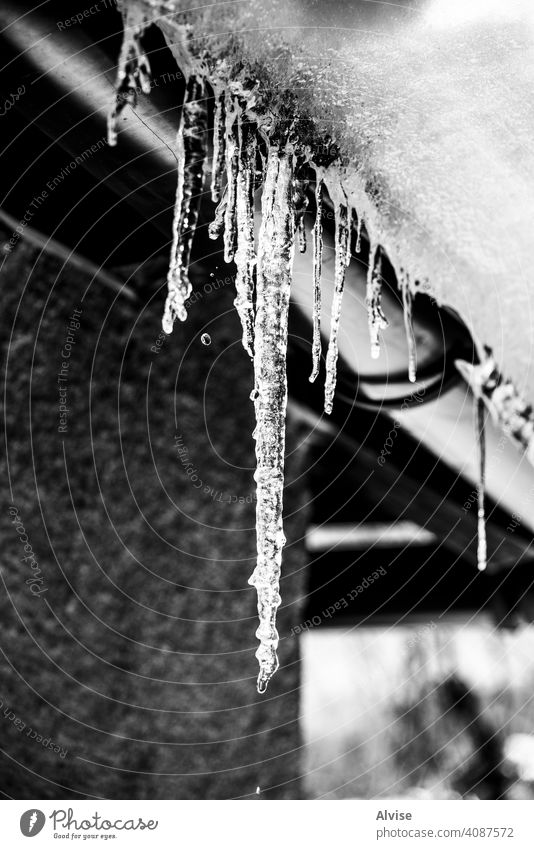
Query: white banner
x=265, y=825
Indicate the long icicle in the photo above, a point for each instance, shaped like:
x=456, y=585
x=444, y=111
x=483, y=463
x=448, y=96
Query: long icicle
x=191, y=151
x=482, y=552
x=317, y=270
x=375, y=316
x=133, y=73
x=216, y=227
x=410, y=337
x=245, y=257
x=232, y=161
x=218, y=148
x=275, y=258
x=342, y=259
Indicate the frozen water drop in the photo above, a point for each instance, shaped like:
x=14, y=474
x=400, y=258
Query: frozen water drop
x=205, y=339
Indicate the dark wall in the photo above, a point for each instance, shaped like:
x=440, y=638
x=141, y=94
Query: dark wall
x=134, y=648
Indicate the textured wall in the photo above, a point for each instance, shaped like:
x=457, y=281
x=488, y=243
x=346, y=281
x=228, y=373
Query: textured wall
x=139, y=657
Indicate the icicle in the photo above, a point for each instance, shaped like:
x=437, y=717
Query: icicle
x=300, y=201
x=133, y=73
x=191, y=144
x=481, y=446
x=410, y=338
x=218, y=148
x=275, y=258
x=245, y=255
x=376, y=319
x=508, y=409
x=232, y=163
x=317, y=268
x=342, y=259
x=358, y=245
x=301, y=234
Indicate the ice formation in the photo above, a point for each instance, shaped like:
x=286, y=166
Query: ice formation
x=300, y=205
x=505, y=404
x=358, y=245
x=342, y=259
x=275, y=258
x=133, y=74
x=245, y=256
x=508, y=410
x=410, y=338
x=263, y=285
x=191, y=153
x=482, y=548
x=232, y=165
x=376, y=318
x=317, y=268
x=219, y=145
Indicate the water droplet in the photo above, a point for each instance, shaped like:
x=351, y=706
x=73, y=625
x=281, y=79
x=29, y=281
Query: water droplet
x=205, y=339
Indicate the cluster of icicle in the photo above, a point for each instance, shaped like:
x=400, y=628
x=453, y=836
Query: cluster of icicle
x=263, y=281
